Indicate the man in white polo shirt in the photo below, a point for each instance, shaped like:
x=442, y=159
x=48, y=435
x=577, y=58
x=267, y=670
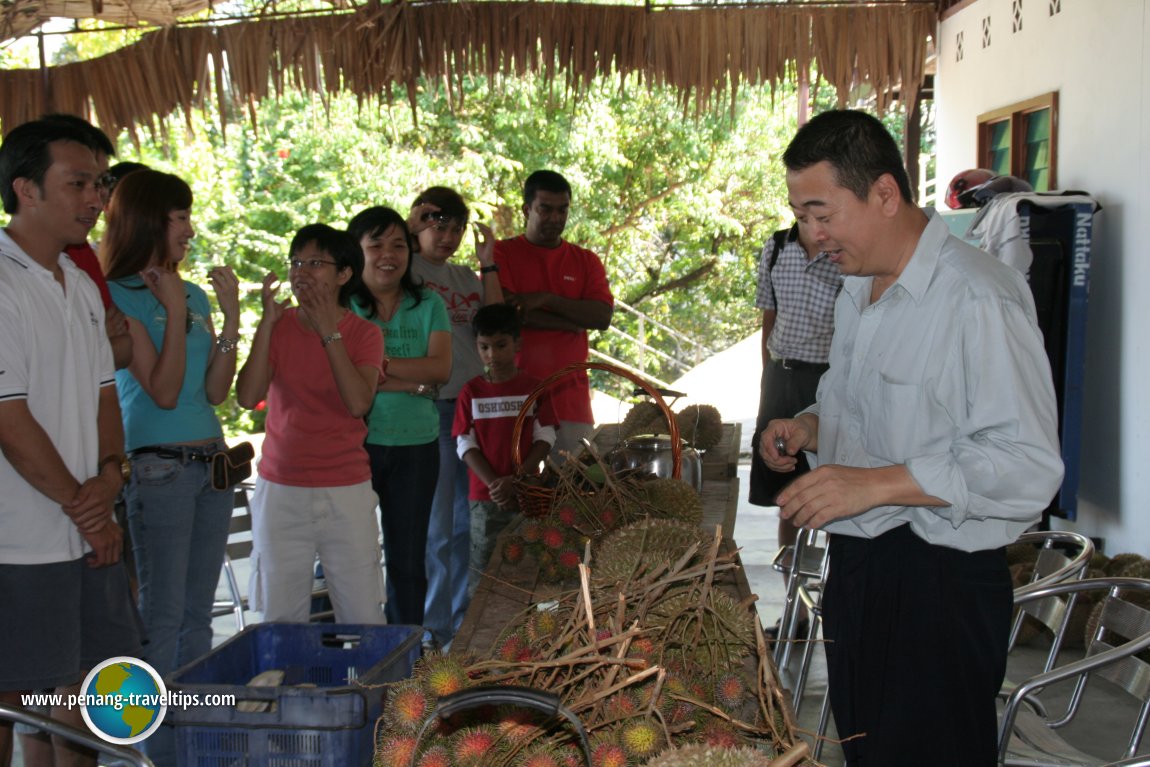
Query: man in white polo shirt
x=64, y=602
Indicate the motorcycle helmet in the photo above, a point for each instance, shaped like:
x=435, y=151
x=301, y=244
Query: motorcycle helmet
x=982, y=193
x=962, y=183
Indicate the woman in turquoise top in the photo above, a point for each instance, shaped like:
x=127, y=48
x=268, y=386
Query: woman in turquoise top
x=179, y=371
x=403, y=426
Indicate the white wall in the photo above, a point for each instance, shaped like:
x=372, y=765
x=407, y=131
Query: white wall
x=1096, y=54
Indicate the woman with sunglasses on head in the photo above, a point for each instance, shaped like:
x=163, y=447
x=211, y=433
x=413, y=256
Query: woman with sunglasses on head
x=403, y=427
x=440, y=215
x=317, y=365
x=180, y=369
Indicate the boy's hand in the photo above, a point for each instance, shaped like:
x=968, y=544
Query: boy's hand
x=503, y=491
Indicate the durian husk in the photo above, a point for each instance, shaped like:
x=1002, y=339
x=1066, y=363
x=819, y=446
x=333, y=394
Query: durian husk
x=1021, y=553
x=642, y=548
x=701, y=426
x=673, y=499
x=1080, y=615
x=699, y=755
x=637, y=418
x=1120, y=562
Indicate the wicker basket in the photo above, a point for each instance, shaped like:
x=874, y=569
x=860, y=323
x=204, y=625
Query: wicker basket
x=535, y=500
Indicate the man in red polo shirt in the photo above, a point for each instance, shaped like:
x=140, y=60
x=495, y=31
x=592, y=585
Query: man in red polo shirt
x=561, y=292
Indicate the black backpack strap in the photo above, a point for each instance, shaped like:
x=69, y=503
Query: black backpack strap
x=780, y=239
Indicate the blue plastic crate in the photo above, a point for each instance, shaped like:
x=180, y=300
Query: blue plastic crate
x=330, y=724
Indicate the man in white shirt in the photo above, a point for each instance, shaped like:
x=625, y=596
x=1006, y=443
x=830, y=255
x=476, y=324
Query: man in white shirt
x=935, y=440
x=64, y=601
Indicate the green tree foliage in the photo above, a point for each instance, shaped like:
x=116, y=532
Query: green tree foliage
x=677, y=204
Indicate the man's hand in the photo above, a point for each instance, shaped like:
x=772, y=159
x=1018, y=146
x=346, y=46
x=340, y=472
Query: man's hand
x=503, y=491
x=115, y=323
x=834, y=492
x=92, y=505
x=107, y=544
x=827, y=493
x=795, y=433
x=529, y=302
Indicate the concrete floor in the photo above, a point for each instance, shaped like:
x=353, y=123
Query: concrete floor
x=1101, y=727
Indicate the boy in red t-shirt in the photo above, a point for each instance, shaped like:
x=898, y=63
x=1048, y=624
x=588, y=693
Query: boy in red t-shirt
x=485, y=416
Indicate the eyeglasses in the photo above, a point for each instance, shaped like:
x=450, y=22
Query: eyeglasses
x=441, y=222
x=311, y=263
x=105, y=182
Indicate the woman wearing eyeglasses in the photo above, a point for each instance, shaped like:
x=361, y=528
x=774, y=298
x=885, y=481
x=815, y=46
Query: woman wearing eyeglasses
x=317, y=365
x=180, y=369
x=403, y=427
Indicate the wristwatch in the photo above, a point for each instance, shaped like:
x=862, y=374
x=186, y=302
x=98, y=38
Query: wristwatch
x=118, y=458
x=336, y=336
x=227, y=345
x=488, y=269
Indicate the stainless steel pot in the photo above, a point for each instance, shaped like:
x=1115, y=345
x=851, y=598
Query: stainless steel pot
x=651, y=454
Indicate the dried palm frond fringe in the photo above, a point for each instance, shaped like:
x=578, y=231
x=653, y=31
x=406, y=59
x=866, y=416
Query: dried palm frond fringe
x=703, y=53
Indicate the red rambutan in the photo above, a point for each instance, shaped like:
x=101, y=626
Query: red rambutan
x=513, y=550
x=436, y=756
x=472, y=746
x=531, y=531
x=552, y=537
x=407, y=706
x=609, y=755
x=569, y=559
x=396, y=751
x=567, y=514
x=730, y=691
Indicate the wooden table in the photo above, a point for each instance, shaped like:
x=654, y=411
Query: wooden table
x=508, y=589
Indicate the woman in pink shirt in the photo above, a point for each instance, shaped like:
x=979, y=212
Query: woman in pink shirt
x=317, y=365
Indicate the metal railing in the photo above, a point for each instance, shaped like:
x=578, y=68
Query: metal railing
x=686, y=354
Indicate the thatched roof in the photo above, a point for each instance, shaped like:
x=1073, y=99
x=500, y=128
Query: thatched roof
x=704, y=52
x=19, y=17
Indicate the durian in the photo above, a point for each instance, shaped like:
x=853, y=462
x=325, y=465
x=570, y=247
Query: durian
x=637, y=418
x=633, y=550
x=699, y=755
x=673, y=499
x=1120, y=562
x=700, y=425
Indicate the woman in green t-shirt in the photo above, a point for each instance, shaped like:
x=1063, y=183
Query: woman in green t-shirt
x=403, y=426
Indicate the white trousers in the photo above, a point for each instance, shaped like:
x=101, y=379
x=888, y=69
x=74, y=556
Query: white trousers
x=290, y=525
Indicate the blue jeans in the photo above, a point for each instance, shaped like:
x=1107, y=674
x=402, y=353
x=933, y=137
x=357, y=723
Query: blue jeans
x=403, y=476
x=179, y=527
x=448, y=537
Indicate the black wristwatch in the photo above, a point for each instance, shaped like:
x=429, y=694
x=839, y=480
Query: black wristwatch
x=118, y=458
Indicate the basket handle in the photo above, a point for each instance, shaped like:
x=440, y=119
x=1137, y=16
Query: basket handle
x=521, y=419
x=494, y=695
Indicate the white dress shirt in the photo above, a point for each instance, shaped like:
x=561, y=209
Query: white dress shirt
x=946, y=373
